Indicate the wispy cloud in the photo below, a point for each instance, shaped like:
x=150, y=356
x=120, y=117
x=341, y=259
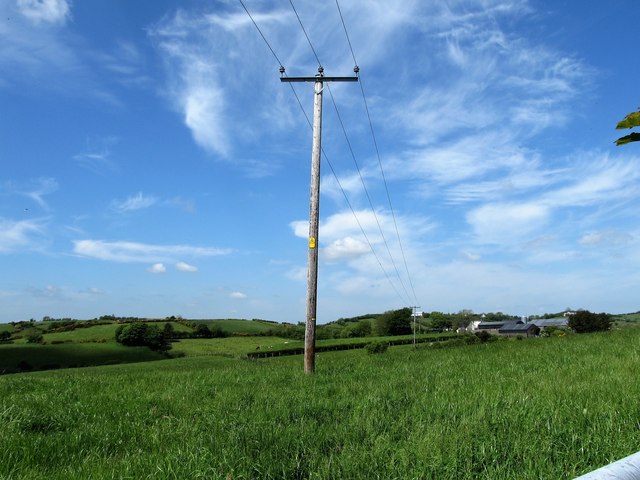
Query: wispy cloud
x=140, y=252
x=137, y=202
x=237, y=295
x=194, y=72
x=97, y=155
x=36, y=190
x=45, y=11
x=31, y=44
x=609, y=238
x=21, y=235
x=126, y=63
x=504, y=223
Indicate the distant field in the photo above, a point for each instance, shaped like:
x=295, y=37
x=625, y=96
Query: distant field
x=6, y=327
x=243, y=345
x=544, y=408
x=627, y=318
x=98, y=333
x=229, y=346
x=250, y=327
x=17, y=357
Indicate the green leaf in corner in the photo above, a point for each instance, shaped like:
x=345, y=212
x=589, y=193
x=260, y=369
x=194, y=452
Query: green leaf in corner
x=633, y=137
x=630, y=121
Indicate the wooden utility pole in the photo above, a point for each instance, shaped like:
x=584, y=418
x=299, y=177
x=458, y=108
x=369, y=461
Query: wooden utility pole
x=314, y=210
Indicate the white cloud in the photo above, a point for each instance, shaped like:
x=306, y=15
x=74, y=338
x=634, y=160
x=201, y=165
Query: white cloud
x=203, y=106
x=237, y=295
x=30, y=49
x=157, y=268
x=137, y=202
x=46, y=11
x=473, y=257
x=607, y=238
x=345, y=248
x=20, y=235
x=507, y=223
x=185, y=267
x=596, y=180
x=140, y=252
x=35, y=190
x=194, y=77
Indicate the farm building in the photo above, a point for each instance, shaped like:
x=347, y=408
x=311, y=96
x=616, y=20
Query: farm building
x=551, y=322
x=509, y=328
x=491, y=327
x=514, y=329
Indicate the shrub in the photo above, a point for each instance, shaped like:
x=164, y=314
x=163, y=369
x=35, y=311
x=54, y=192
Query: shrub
x=583, y=321
x=376, y=347
x=554, y=331
x=35, y=337
x=484, y=336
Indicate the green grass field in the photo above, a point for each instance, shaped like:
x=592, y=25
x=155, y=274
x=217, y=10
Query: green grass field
x=240, y=327
x=230, y=346
x=549, y=408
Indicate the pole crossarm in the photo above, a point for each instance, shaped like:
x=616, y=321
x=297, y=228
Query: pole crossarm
x=319, y=78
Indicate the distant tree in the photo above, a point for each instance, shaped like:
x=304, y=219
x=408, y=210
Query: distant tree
x=218, y=332
x=358, y=329
x=497, y=317
x=583, y=321
x=140, y=334
x=630, y=121
x=394, y=322
x=203, y=331
x=168, y=331
x=462, y=318
x=5, y=336
x=439, y=321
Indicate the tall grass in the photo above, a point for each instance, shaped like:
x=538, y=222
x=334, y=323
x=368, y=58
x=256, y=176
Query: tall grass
x=536, y=409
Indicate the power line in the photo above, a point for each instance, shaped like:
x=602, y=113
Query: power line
x=305, y=32
x=346, y=33
x=356, y=69
x=260, y=32
x=282, y=71
x=375, y=143
x=366, y=191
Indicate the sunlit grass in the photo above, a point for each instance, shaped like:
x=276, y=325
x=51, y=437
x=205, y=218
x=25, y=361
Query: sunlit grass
x=534, y=409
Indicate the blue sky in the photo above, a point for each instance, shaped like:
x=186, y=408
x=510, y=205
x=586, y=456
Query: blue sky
x=153, y=164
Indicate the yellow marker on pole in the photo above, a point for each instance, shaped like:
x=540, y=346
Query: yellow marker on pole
x=312, y=242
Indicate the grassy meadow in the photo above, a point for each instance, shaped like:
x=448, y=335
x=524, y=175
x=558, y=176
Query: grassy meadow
x=544, y=408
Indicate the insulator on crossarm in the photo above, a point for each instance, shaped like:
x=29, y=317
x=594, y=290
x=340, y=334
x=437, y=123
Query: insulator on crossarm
x=356, y=69
x=281, y=71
